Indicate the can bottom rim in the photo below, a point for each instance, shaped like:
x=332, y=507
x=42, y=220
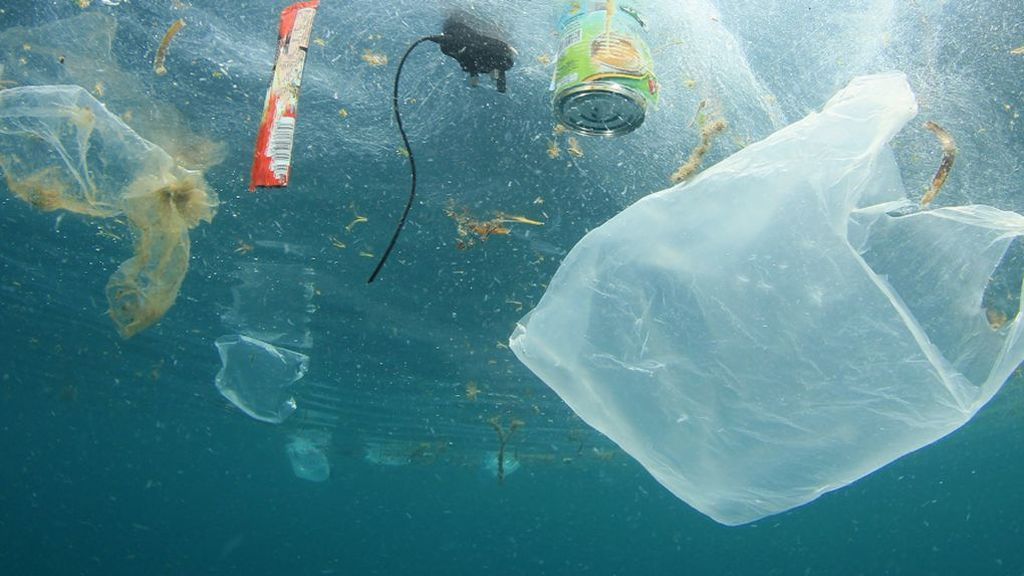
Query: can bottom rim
x=600, y=108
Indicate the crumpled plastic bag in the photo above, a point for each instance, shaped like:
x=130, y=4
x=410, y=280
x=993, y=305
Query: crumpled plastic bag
x=61, y=149
x=781, y=326
x=259, y=378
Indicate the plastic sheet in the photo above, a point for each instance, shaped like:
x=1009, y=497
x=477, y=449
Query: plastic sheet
x=785, y=323
x=259, y=377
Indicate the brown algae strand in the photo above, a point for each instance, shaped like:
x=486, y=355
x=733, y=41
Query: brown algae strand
x=948, y=156
x=161, y=52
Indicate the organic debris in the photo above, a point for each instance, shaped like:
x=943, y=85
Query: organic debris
x=575, y=150
x=374, y=59
x=572, y=145
x=161, y=53
x=471, y=230
x=357, y=220
x=996, y=318
x=503, y=437
x=948, y=156
x=708, y=131
x=554, y=151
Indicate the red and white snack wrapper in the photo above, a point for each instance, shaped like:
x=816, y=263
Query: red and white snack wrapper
x=271, y=163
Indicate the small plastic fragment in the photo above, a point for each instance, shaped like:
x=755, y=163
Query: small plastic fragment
x=307, y=456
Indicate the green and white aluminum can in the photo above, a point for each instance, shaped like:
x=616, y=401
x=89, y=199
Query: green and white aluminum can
x=604, y=78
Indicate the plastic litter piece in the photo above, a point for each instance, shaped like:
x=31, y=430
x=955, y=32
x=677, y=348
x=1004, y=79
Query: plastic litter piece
x=259, y=377
x=80, y=51
x=273, y=302
x=774, y=330
x=271, y=163
x=61, y=149
x=500, y=465
x=307, y=457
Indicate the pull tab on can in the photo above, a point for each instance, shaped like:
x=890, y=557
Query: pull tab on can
x=604, y=78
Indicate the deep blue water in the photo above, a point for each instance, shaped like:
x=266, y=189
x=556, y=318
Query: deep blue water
x=130, y=484
x=120, y=457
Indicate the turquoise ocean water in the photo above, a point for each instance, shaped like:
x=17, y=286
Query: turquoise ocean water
x=120, y=456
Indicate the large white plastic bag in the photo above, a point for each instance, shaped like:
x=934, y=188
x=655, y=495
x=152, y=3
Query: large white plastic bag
x=768, y=332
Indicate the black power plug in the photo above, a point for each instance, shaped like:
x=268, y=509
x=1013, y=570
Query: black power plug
x=475, y=52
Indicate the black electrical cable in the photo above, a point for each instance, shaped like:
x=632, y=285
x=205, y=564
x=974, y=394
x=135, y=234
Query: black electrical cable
x=412, y=161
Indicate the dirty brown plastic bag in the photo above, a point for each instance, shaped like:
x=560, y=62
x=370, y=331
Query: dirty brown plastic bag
x=61, y=149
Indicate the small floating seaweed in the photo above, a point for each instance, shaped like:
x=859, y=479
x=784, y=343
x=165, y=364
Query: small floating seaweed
x=468, y=227
x=374, y=59
x=503, y=437
x=554, y=151
x=948, y=156
x=707, y=134
x=574, y=148
x=357, y=220
x=161, y=53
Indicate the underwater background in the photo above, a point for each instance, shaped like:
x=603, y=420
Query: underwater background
x=120, y=456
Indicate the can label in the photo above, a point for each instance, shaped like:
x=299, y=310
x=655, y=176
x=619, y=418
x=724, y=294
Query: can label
x=602, y=40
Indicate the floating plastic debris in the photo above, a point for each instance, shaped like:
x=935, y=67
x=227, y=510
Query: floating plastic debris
x=271, y=163
x=306, y=452
x=61, y=149
x=778, y=326
x=259, y=377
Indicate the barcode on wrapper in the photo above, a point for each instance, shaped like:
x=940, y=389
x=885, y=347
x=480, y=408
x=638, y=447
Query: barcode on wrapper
x=280, y=146
x=272, y=159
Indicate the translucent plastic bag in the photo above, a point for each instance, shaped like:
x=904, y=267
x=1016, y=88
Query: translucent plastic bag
x=308, y=457
x=273, y=301
x=258, y=377
x=61, y=149
x=773, y=330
